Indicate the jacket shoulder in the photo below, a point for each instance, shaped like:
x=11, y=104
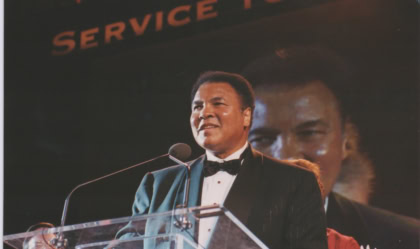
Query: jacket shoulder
x=381, y=220
x=382, y=217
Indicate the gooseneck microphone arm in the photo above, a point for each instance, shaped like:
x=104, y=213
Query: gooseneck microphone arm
x=179, y=153
x=66, y=203
x=187, y=184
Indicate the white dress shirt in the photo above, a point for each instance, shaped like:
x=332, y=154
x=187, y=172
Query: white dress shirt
x=326, y=204
x=214, y=192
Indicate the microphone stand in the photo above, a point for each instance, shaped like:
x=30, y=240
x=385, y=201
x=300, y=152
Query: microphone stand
x=184, y=223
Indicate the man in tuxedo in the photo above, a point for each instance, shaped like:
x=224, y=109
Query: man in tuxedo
x=300, y=113
x=279, y=202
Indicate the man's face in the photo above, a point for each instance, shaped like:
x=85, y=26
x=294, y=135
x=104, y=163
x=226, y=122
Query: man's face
x=300, y=123
x=217, y=120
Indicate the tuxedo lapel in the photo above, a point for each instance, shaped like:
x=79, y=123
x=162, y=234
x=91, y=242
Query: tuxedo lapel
x=242, y=195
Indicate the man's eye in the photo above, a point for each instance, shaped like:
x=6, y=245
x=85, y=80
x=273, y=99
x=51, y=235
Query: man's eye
x=262, y=141
x=197, y=107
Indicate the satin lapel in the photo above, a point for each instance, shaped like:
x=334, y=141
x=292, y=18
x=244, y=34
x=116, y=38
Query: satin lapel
x=241, y=197
x=196, y=182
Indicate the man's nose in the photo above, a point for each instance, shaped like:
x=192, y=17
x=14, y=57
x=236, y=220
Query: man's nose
x=286, y=148
x=206, y=112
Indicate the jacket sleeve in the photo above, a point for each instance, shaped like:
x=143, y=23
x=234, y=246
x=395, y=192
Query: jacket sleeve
x=307, y=223
x=141, y=206
x=143, y=197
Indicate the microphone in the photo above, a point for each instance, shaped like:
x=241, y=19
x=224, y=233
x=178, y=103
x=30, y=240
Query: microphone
x=176, y=152
x=180, y=151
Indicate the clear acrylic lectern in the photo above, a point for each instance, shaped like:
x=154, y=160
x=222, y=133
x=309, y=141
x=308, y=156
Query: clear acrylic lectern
x=175, y=229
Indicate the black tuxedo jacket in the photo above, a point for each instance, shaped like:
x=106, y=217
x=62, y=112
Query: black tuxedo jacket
x=372, y=226
x=280, y=203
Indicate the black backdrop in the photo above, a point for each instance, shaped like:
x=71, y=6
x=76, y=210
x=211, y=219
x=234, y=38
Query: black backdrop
x=75, y=117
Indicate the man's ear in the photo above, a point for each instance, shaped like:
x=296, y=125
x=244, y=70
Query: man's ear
x=247, y=113
x=345, y=147
x=349, y=139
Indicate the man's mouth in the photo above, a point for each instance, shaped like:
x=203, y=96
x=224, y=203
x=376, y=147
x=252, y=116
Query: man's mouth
x=207, y=126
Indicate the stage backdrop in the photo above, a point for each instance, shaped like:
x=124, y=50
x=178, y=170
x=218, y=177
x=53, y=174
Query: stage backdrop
x=95, y=86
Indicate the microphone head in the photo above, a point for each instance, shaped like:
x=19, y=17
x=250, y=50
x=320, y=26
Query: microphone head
x=180, y=151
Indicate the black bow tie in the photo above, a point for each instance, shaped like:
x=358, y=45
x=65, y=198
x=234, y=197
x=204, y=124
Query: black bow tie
x=232, y=167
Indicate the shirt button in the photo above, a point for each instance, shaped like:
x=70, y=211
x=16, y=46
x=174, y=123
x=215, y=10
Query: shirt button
x=209, y=230
x=218, y=182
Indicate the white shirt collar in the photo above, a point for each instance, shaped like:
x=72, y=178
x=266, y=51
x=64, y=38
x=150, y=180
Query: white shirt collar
x=326, y=204
x=236, y=155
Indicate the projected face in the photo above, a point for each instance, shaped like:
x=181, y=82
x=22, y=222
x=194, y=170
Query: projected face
x=300, y=123
x=218, y=121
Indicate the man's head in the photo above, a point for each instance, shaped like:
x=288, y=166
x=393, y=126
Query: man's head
x=222, y=105
x=300, y=110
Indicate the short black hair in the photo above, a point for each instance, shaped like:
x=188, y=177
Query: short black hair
x=239, y=83
x=297, y=65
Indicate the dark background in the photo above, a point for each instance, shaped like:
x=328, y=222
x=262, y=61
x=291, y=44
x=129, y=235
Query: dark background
x=72, y=118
